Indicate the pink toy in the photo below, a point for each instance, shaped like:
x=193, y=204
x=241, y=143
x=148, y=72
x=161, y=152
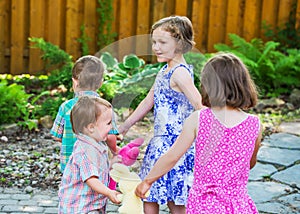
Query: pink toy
x=128, y=153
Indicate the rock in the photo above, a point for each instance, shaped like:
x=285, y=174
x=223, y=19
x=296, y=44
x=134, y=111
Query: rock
x=46, y=121
x=28, y=189
x=290, y=106
x=10, y=129
x=4, y=139
x=269, y=110
x=291, y=127
x=269, y=103
x=295, y=98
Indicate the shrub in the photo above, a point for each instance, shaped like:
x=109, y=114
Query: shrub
x=197, y=60
x=273, y=71
x=126, y=83
x=60, y=77
x=58, y=61
x=50, y=106
x=14, y=106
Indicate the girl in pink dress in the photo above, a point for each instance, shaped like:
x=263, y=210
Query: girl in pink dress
x=227, y=141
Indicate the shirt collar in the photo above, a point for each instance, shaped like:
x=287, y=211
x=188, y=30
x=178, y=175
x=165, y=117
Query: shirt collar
x=86, y=93
x=101, y=146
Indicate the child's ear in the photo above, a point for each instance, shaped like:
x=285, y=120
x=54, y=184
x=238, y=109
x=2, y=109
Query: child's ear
x=91, y=128
x=179, y=47
x=75, y=83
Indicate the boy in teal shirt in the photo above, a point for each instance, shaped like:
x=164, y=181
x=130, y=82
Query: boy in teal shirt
x=87, y=77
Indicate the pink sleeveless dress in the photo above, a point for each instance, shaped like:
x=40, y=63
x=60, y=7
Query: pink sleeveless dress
x=222, y=165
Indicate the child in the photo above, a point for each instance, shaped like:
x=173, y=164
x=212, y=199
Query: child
x=174, y=97
x=84, y=183
x=87, y=76
x=227, y=141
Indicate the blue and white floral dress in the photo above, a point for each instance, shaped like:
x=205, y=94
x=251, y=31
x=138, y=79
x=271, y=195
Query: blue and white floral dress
x=171, y=108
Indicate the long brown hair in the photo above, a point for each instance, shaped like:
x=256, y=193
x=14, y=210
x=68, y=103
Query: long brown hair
x=225, y=81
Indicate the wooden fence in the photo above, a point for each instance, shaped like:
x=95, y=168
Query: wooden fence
x=59, y=22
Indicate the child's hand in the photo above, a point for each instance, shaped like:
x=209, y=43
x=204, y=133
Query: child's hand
x=115, y=159
x=57, y=139
x=120, y=137
x=142, y=190
x=113, y=196
x=123, y=130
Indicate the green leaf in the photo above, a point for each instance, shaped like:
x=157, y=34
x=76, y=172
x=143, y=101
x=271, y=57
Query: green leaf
x=108, y=60
x=131, y=61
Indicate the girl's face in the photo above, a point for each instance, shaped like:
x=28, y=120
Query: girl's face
x=102, y=126
x=163, y=45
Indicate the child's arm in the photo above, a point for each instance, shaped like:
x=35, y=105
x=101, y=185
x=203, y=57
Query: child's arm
x=143, y=108
x=57, y=139
x=257, y=145
x=115, y=159
x=184, y=83
x=59, y=124
x=99, y=187
x=111, y=142
x=169, y=159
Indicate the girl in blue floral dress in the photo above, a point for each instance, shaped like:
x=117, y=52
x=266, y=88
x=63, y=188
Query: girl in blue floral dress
x=174, y=97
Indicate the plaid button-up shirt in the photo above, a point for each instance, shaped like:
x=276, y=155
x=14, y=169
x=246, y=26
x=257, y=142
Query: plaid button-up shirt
x=62, y=127
x=89, y=158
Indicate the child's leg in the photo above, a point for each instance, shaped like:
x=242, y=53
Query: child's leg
x=176, y=209
x=151, y=208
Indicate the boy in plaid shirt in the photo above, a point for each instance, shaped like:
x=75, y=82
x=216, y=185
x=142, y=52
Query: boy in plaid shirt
x=84, y=185
x=87, y=77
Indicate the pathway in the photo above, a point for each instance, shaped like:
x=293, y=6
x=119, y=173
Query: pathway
x=274, y=183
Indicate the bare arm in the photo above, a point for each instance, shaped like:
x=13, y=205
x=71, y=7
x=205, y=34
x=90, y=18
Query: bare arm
x=169, y=159
x=257, y=145
x=143, y=108
x=183, y=82
x=99, y=187
x=57, y=139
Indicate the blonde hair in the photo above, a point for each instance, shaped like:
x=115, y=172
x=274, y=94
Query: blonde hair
x=88, y=70
x=86, y=110
x=225, y=80
x=181, y=28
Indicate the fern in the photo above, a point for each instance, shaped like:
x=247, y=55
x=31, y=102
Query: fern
x=59, y=60
x=273, y=71
x=52, y=53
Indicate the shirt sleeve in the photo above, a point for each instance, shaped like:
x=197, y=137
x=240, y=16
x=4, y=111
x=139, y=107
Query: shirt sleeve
x=114, y=129
x=57, y=129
